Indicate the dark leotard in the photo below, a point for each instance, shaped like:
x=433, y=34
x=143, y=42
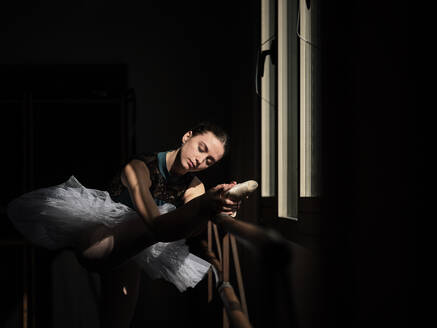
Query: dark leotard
x=165, y=188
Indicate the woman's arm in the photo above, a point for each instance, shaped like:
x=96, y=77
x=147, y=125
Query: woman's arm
x=136, y=178
x=196, y=189
x=199, y=206
x=105, y=247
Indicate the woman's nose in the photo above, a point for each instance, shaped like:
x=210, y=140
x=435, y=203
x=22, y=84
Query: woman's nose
x=200, y=160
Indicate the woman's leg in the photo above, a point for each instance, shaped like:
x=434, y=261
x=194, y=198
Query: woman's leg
x=110, y=251
x=109, y=247
x=105, y=248
x=119, y=295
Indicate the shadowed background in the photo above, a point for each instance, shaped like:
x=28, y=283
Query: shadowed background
x=79, y=67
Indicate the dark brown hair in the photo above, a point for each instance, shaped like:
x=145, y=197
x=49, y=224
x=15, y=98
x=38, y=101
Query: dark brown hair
x=218, y=131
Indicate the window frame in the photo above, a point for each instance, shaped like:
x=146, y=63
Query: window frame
x=288, y=202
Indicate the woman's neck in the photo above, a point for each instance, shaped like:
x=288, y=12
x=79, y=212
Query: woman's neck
x=173, y=165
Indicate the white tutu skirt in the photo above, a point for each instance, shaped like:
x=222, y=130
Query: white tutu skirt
x=173, y=261
x=53, y=217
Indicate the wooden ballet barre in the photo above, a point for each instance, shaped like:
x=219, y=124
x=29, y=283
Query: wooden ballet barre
x=212, y=259
x=233, y=307
x=227, y=294
x=265, y=240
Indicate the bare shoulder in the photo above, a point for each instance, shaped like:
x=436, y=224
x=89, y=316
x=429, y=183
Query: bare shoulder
x=195, y=189
x=138, y=165
x=135, y=172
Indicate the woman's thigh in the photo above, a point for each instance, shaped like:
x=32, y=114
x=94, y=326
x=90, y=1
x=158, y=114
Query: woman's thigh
x=102, y=247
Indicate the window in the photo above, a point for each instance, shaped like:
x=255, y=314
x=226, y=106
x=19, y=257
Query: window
x=268, y=100
x=290, y=117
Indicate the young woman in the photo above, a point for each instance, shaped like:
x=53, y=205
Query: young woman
x=155, y=198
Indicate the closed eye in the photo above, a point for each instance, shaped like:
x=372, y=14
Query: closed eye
x=210, y=161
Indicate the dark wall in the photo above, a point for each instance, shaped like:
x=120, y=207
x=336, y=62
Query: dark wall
x=190, y=61
x=368, y=226
x=186, y=61
x=363, y=241
x=179, y=55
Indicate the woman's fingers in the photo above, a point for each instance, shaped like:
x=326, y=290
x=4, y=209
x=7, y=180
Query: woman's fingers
x=229, y=205
x=230, y=202
x=222, y=202
x=228, y=213
x=224, y=186
x=227, y=187
x=228, y=209
x=218, y=187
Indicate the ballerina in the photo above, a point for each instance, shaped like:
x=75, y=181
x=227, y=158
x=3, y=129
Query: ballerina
x=153, y=201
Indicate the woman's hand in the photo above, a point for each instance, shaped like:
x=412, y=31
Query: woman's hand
x=220, y=202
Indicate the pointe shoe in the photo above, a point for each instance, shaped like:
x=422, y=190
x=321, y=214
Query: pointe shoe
x=241, y=190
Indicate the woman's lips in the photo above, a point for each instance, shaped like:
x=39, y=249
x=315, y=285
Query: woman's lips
x=190, y=164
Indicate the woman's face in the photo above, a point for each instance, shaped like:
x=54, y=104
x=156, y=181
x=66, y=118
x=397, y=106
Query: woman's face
x=200, y=152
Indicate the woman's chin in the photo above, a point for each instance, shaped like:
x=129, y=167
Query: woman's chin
x=188, y=167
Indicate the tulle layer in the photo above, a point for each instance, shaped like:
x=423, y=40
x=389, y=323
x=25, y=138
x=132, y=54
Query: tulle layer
x=53, y=217
x=173, y=261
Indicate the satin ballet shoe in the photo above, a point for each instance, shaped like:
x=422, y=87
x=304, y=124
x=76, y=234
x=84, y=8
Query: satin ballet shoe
x=242, y=190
